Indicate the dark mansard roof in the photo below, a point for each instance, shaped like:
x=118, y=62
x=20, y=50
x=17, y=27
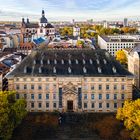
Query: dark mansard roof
x=49, y=26
x=31, y=25
x=70, y=62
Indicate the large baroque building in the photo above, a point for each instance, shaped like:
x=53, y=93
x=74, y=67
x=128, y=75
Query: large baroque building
x=71, y=80
x=114, y=43
x=37, y=30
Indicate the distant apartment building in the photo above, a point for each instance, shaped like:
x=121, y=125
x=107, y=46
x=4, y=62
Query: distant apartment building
x=133, y=56
x=71, y=80
x=10, y=41
x=3, y=81
x=9, y=59
x=26, y=48
x=10, y=29
x=114, y=43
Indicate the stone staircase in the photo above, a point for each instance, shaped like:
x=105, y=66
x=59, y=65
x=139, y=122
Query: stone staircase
x=72, y=128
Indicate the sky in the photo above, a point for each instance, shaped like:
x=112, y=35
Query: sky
x=66, y=10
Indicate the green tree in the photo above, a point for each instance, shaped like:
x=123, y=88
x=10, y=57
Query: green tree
x=12, y=112
x=130, y=114
x=121, y=57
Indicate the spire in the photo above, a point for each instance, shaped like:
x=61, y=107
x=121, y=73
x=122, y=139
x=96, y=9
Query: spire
x=23, y=21
x=43, y=13
x=28, y=20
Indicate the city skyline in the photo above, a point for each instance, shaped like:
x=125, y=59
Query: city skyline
x=70, y=9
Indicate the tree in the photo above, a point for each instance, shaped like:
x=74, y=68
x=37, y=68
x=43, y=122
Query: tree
x=66, y=31
x=121, y=57
x=80, y=43
x=108, y=127
x=12, y=112
x=125, y=29
x=129, y=30
x=130, y=114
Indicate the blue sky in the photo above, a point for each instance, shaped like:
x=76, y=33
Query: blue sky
x=70, y=9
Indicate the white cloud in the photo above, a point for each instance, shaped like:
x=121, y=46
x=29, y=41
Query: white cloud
x=69, y=9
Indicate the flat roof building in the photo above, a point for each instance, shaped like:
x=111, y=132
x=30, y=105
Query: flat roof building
x=114, y=43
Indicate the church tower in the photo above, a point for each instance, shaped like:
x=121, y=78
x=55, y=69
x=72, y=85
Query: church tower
x=43, y=20
x=43, y=13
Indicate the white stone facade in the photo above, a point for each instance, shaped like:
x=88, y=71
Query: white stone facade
x=134, y=64
x=98, y=94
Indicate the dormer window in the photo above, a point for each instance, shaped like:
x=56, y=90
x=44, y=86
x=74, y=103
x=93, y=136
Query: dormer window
x=48, y=61
x=99, y=70
x=83, y=55
x=107, y=54
x=55, y=62
x=98, y=62
x=54, y=70
x=84, y=70
x=62, y=61
x=34, y=62
x=55, y=55
x=76, y=61
x=41, y=62
x=40, y=70
x=114, y=70
x=25, y=69
x=69, y=55
x=84, y=62
x=69, y=70
x=91, y=62
x=69, y=61
x=105, y=62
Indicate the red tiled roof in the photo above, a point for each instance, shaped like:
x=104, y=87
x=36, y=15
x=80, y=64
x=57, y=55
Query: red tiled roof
x=28, y=45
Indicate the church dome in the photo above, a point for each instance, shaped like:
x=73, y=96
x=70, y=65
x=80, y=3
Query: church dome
x=43, y=19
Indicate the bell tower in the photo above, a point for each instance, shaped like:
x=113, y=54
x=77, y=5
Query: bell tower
x=43, y=13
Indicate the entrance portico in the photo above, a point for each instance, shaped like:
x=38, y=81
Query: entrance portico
x=69, y=98
x=70, y=102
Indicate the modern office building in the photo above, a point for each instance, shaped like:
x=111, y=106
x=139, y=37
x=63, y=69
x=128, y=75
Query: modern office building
x=125, y=22
x=71, y=80
x=114, y=43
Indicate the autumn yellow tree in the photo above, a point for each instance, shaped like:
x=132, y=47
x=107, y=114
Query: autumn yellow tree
x=130, y=114
x=66, y=31
x=80, y=43
x=121, y=57
x=129, y=30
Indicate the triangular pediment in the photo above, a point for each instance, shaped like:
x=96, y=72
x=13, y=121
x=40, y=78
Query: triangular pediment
x=69, y=88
